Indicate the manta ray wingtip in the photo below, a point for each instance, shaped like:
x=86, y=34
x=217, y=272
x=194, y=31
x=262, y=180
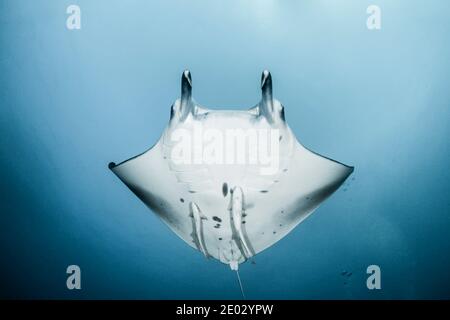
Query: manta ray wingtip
x=348, y=170
x=111, y=165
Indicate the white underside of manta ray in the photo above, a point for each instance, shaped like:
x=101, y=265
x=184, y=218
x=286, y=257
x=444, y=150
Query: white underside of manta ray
x=231, y=211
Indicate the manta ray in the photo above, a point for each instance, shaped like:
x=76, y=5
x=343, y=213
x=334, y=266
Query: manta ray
x=230, y=210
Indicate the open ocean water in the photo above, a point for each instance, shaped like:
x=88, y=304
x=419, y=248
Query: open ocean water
x=71, y=101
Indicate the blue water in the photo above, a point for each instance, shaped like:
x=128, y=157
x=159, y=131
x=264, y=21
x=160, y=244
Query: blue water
x=72, y=101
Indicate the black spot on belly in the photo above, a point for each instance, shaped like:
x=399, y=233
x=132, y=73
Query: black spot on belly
x=220, y=238
x=282, y=211
x=274, y=232
x=285, y=170
x=243, y=222
x=281, y=225
x=217, y=226
x=181, y=199
x=225, y=189
x=264, y=191
x=217, y=219
x=281, y=137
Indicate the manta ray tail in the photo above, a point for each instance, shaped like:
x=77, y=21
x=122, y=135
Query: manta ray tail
x=240, y=284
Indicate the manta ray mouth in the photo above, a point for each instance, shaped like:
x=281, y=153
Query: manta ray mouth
x=230, y=211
